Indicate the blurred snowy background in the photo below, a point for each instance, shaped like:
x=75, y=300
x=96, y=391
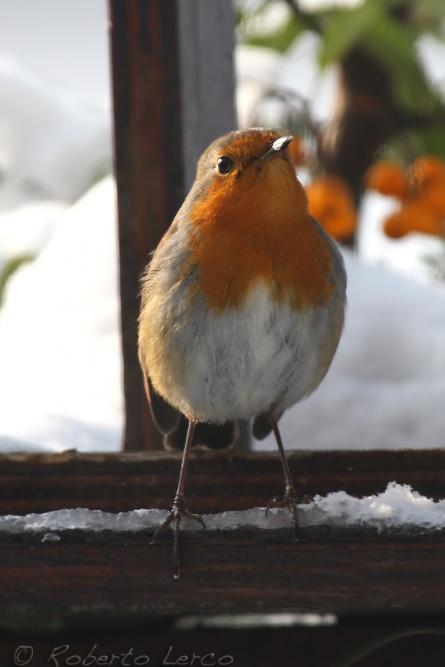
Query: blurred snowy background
x=60, y=366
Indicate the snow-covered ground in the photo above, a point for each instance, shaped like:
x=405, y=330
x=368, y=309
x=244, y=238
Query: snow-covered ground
x=52, y=146
x=60, y=380
x=60, y=384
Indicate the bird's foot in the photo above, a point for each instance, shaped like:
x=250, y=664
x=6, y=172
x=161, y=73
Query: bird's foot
x=175, y=516
x=288, y=501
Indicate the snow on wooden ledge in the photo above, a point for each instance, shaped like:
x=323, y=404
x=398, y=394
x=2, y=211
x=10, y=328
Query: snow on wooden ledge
x=397, y=507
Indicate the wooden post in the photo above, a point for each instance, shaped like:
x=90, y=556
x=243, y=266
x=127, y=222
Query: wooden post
x=173, y=93
x=206, y=44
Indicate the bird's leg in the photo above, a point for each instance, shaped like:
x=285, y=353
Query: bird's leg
x=179, y=509
x=289, y=499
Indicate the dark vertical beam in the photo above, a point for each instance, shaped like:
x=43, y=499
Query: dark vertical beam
x=147, y=135
x=173, y=93
x=206, y=46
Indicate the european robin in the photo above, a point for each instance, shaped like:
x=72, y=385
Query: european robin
x=242, y=303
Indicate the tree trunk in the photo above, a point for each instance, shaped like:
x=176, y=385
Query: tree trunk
x=365, y=116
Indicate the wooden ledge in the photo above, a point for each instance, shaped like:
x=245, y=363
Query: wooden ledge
x=217, y=481
x=339, y=571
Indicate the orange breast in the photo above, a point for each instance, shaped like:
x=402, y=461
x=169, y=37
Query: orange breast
x=240, y=239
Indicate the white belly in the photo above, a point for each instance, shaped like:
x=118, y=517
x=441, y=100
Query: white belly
x=241, y=363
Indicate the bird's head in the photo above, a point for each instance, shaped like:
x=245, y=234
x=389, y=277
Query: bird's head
x=243, y=175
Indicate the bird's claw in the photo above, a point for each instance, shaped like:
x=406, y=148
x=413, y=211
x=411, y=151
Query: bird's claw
x=288, y=501
x=175, y=516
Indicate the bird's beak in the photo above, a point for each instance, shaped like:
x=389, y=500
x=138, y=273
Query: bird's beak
x=278, y=146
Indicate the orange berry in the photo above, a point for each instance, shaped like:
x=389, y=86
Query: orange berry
x=430, y=224
x=330, y=202
x=428, y=169
x=433, y=196
x=387, y=178
x=341, y=227
x=414, y=216
x=394, y=227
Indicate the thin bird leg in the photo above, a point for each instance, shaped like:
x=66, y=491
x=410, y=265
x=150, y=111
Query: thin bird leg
x=289, y=499
x=179, y=509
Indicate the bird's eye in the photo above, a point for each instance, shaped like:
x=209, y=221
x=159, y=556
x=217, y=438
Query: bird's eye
x=225, y=164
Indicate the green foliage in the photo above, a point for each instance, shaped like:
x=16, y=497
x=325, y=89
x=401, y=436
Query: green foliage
x=428, y=16
x=280, y=40
x=343, y=28
x=404, y=148
x=388, y=30
x=387, y=34
x=433, y=141
x=11, y=267
x=253, y=30
x=394, y=45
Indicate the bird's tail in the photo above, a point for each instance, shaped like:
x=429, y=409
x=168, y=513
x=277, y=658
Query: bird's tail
x=212, y=436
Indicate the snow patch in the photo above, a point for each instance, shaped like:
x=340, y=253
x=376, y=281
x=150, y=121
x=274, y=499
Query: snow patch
x=398, y=506
x=60, y=385
x=51, y=147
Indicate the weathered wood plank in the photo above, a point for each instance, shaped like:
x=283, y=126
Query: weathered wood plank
x=146, y=143
x=217, y=481
x=206, y=46
x=337, y=571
